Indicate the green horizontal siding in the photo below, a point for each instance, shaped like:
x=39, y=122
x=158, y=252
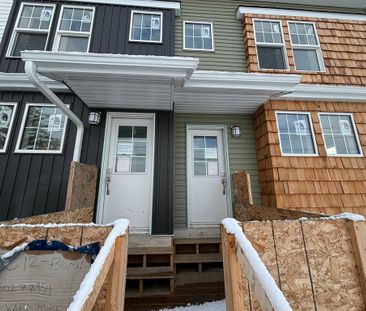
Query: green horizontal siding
x=242, y=156
x=229, y=43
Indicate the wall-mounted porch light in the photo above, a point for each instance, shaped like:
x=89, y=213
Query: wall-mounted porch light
x=235, y=131
x=94, y=118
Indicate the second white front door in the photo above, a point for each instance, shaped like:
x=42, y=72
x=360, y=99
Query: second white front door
x=129, y=171
x=207, y=177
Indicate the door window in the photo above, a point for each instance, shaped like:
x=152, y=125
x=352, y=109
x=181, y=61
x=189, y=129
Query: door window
x=131, y=149
x=205, y=156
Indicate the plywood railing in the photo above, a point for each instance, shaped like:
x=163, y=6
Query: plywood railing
x=308, y=264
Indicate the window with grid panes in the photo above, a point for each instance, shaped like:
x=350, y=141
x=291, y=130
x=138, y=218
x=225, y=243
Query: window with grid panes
x=198, y=36
x=146, y=26
x=270, y=44
x=295, y=133
x=74, y=29
x=305, y=46
x=43, y=129
x=32, y=28
x=7, y=112
x=339, y=134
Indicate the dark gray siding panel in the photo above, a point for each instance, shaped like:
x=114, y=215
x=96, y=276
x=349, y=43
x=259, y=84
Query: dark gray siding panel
x=110, y=33
x=33, y=184
x=162, y=218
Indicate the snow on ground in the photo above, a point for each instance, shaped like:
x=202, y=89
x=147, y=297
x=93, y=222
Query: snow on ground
x=208, y=306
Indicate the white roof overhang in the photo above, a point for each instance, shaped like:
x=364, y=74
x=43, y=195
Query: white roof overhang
x=229, y=92
x=116, y=81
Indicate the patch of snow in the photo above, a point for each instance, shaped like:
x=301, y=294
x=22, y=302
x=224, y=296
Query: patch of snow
x=16, y=249
x=120, y=228
x=349, y=216
x=208, y=306
x=53, y=225
x=265, y=279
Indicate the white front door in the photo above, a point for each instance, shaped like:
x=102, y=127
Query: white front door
x=208, y=189
x=128, y=171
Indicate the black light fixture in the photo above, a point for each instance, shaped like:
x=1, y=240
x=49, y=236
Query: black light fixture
x=94, y=117
x=235, y=131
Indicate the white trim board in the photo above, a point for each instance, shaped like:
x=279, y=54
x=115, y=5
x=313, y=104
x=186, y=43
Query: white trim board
x=241, y=11
x=171, y=5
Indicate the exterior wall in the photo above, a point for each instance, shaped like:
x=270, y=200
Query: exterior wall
x=110, y=33
x=5, y=7
x=343, y=44
x=315, y=184
x=242, y=156
x=229, y=48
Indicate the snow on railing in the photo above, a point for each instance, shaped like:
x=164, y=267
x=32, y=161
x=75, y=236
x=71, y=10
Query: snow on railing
x=242, y=260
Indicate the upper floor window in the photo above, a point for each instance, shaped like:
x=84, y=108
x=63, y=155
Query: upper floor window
x=43, y=129
x=198, y=36
x=32, y=28
x=74, y=29
x=270, y=44
x=296, y=133
x=306, y=48
x=7, y=113
x=146, y=26
x=339, y=134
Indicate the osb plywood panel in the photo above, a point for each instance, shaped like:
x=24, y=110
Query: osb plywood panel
x=312, y=261
x=95, y=234
x=332, y=265
x=291, y=259
x=82, y=215
x=14, y=236
x=261, y=236
x=67, y=235
x=343, y=44
x=320, y=184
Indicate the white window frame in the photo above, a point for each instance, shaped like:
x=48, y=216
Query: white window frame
x=7, y=139
x=59, y=33
x=147, y=13
x=212, y=36
x=16, y=29
x=354, y=130
x=21, y=131
x=316, y=154
x=317, y=47
x=263, y=44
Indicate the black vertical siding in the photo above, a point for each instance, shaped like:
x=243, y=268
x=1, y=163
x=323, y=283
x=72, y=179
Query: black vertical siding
x=110, y=33
x=162, y=218
x=33, y=184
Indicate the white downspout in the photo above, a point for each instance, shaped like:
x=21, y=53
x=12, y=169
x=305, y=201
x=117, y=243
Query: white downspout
x=31, y=71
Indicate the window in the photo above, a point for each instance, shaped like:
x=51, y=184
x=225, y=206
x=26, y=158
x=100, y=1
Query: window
x=146, y=26
x=32, y=28
x=74, y=29
x=205, y=156
x=43, y=129
x=339, y=134
x=131, y=149
x=296, y=133
x=306, y=47
x=270, y=44
x=198, y=36
x=7, y=113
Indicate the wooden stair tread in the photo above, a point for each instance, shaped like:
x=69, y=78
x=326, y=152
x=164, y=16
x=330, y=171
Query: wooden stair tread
x=150, y=272
x=180, y=241
x=150, y=250
x=197, y=258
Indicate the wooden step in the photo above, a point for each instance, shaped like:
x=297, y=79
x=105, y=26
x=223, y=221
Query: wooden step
x=150, y=250
x=197, y=258
x=150, y=273
x=197, y=241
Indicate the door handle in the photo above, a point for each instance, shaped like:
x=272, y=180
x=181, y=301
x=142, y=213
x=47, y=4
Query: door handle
x=108, y=180
x=223, y=181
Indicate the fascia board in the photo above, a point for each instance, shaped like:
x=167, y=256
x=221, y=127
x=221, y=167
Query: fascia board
x=107, y=64
x=242, y=10
x=327, y=93
x=20, y=82
x=170, y=5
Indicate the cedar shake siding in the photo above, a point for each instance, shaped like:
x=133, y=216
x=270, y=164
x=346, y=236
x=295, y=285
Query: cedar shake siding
x=343, y=45
x=326, y=184
x=110, y=32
